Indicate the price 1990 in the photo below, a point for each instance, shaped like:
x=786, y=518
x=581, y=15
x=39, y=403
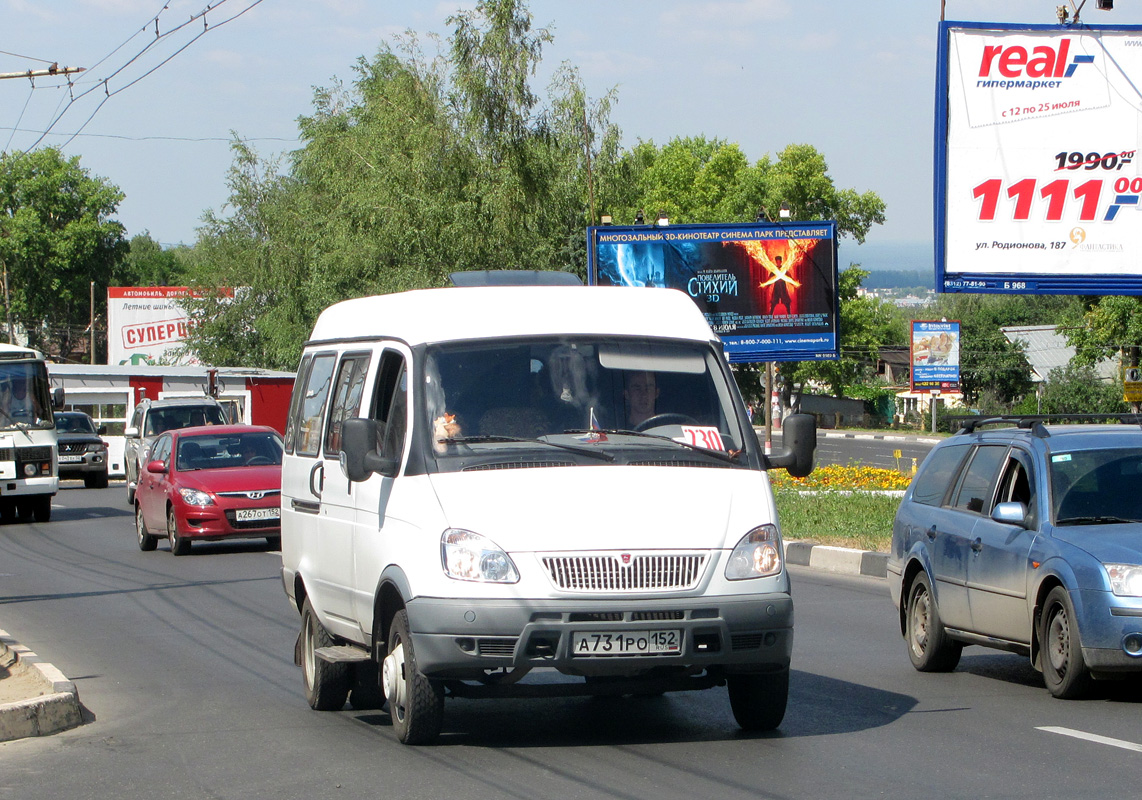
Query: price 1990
x=1075, y=160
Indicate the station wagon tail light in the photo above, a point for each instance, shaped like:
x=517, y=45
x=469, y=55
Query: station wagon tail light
x=468, y=556
x=1125, y=579
x=193, y=497
x=757, y=555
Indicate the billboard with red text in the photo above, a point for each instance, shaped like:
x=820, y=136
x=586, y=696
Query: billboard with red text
x=1037, y=171
x=147, y=325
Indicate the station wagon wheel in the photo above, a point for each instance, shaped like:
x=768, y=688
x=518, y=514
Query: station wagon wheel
x=326, y=683
x=180, y=545
x=416, y=704
x=758, y=701
x=928, y=644
x=146, y=541
x=1061, y=653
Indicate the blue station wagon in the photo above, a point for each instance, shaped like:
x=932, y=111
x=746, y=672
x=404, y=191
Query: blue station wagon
x=1025, y=538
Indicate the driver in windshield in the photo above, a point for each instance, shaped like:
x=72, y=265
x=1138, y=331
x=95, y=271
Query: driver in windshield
x=640, y=393
x=19, y=405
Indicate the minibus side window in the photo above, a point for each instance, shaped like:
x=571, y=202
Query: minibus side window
x=295, y=402
x=311, y=409
x=346, y=398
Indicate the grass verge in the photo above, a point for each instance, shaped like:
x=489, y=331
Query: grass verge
x=839, y=505
x=858, y=519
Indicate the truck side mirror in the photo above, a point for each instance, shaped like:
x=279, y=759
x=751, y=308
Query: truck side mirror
x=799, y=437
x=359, y=456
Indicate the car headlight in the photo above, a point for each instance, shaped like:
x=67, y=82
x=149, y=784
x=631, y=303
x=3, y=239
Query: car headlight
x=194, y=497
x=1125, y=579
x=95, y=448
x=757, y=555
x=468, y=556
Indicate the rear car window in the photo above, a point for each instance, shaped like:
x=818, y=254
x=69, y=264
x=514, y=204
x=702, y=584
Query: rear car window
x=937, y=474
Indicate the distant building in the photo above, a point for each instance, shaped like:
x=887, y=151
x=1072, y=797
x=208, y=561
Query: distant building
x=1047, y=349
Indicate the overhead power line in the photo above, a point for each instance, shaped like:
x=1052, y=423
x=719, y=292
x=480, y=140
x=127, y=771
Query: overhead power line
x=133, y=69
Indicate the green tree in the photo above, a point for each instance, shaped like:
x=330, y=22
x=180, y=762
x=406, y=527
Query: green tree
x=695, y=179
x=419, y=169
x=57, y=238
x=148, y=264
x=1075, y=389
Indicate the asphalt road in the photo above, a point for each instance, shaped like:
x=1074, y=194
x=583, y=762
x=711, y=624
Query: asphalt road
x=867, y=449
x=184, y=666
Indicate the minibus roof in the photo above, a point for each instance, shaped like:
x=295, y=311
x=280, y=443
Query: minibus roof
x=484, y=312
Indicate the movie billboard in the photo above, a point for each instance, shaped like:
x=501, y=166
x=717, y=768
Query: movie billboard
x=935, y=356
x=768, y=290
x=1037, y=171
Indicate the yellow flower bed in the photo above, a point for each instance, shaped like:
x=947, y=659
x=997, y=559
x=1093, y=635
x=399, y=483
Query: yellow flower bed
x=851, y=477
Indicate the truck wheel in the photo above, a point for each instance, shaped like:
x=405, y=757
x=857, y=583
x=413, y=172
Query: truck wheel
x=42, y=508
x=146, y=541
x=180, y=545
x=416, y=703
x=928, y=644
x=758, y=701
x=1064, y=670
x=326, y=683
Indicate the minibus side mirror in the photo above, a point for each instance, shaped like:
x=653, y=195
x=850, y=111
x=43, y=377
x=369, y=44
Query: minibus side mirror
x=57, y=398
x=359, y=456
x=799, y=440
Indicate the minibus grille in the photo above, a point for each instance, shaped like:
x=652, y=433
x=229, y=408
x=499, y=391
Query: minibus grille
x=625, y=572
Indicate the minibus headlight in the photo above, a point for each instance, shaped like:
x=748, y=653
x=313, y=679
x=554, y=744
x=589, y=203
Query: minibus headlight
x=757, y=555
x=468, y=556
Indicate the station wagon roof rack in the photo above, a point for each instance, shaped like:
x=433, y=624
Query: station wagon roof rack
x=1034, y=422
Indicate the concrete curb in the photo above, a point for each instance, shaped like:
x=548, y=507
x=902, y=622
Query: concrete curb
x=55, y=711
x=837, y=559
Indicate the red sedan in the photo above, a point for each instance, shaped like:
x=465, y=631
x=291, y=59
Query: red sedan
x=210, y=483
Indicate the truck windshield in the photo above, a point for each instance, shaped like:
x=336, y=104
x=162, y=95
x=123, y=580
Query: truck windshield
x=24, y=398
x=502, y=394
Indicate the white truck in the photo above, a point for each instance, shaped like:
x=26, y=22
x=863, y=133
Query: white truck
x=29, y=468
x=484, y=482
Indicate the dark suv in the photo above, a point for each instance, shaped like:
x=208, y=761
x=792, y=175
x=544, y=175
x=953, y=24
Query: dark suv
x=152, y=417
x=82, y=453
x=1025, y=538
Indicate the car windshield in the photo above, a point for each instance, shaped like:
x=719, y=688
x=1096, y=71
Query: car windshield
x=74, y=423
x=222, y=451
x=1096, y=486
x=641, y=393
x=161, y=420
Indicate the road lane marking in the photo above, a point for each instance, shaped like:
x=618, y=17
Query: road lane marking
x=1093, y=737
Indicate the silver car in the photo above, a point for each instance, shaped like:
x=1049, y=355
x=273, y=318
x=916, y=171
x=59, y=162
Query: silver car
x=152, y=417
x=1025, y=538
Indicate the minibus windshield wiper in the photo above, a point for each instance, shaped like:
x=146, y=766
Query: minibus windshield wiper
x=492, y=438
x=730, y=457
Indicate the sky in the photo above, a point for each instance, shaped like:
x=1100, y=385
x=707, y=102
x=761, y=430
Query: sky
x=164, y=92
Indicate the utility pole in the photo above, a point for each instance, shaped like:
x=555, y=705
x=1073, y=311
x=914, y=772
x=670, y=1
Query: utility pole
x=50, y=72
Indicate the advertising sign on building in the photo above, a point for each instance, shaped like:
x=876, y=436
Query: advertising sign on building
x=146, y=324
x=935, y=356
x=768, y=290
x=1038, y=177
